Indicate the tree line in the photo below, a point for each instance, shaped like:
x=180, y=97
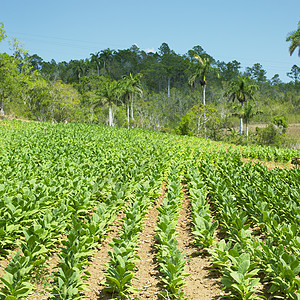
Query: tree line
x=187, y=94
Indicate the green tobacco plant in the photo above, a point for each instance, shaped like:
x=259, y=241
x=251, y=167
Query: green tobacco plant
x=119, y=273
x=171, y=259
x=16, y=280
x=97, y=224
x=172, y=265
x=239, y=277
x=204, y=230
x=121, y=267
x=282, y=270
x=69, y=279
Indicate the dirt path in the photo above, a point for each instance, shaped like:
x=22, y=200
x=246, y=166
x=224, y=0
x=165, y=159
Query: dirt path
x=43, y=287
x=3, y=264
x=269, y=164
x=147, y=274
x=201, y=284
x=98, y=264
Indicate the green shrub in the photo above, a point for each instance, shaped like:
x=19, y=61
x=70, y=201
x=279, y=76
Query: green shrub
x=280, y=122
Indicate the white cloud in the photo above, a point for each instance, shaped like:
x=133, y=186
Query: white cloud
x=150, y=50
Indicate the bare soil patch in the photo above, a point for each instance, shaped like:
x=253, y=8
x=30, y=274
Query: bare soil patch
x=269, y=164
x=43, y=286
x=202, y=283
x=98, y=264
x=148, y=273
x=3, y=264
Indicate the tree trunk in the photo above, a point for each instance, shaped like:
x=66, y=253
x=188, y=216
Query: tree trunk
x=131, y=107
x=1, y=108
x=127, y=110
x=241, y=122
x=110, y=119
x=169, y=83
x=92, y=115
x=204, y=114
x=241, y=126
x=198, y=125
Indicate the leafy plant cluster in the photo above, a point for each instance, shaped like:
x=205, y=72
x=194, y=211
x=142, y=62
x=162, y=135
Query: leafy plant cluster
x=83, y=238
x=245, y=200
x=264, y=153
x=121, y=266
x=63, y=184
x=16, y=280
x=204, y=225
x=58, y=176
x=170, y=258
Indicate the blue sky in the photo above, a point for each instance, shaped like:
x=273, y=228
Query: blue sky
x=252, y=31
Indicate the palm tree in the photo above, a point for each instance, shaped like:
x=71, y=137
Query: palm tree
x=242, y=90
x=109, y=92
x=79, y=68
x=131, y=86
x=294, y=38
x=203, y=67
x=106, y=56
x=95, y=58
x=246, y=112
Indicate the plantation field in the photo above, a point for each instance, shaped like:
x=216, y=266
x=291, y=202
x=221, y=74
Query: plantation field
x=93, y=212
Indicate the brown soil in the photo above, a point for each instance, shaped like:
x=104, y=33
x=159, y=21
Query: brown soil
x=42, y=280
x=3, y=264
x=43, y=286
x=269, y=164
x=99, y=264
x=148, y=274
x=202, y=283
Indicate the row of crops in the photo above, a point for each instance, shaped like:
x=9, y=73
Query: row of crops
x=63, y=186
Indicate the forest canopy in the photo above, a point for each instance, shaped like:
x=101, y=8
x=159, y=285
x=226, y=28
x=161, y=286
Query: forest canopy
x=166, y=91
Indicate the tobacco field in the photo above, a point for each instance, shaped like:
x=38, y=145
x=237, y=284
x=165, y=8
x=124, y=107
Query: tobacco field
x=92, y=212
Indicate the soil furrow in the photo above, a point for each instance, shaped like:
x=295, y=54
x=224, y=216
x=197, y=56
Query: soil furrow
x=147, y=275
x=98, y=264
x=43, y=285
x=3, y=264
x=201, y=284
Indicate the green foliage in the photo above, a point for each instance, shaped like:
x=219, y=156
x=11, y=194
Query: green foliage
x=239, y=277
x=185, y=126
x=271, y=135
x=280, y=122
x=282, y=271
x=242, y=89
x=294, y=38
x=294, y=74
x=9, y=79
x=76, y=91
x=171, y=259
x=66, y=183
x=121, y=267
x=201, y=121
x=16, y=278
x=2, y=32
